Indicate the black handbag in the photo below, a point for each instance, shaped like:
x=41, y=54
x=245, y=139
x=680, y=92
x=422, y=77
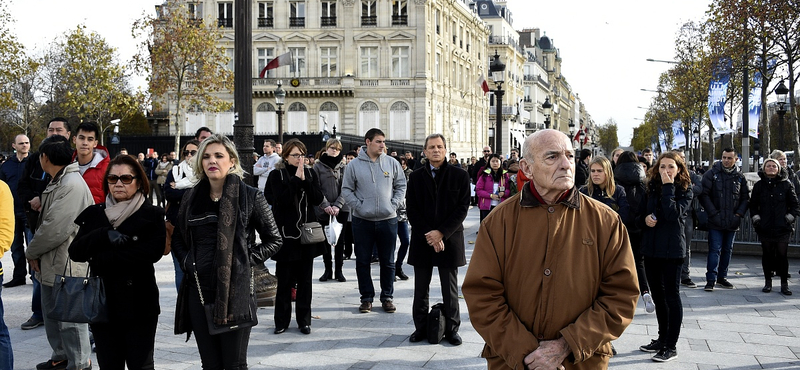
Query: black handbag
x=214, y=329
x=435, y=324
x=79, y=299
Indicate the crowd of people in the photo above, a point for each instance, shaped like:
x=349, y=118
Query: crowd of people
x=626, y=221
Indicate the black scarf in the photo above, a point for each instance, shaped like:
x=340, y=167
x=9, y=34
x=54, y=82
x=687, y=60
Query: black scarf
x=329, y=161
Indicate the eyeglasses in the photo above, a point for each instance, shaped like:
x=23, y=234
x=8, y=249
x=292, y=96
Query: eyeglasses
x=188, y=152
x=126, y=179
x=296, y=155
x=487, y=151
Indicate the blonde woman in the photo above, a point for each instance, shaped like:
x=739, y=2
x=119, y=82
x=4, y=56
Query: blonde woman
x=601, y=187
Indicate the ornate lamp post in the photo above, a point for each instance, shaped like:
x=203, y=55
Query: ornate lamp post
x=547, y=108
x=571, y=126
x=781, y=92
x=497, y=68
x=280, y=96
x=582, y=137
x=696, y=136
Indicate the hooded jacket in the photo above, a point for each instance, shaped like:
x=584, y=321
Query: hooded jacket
x=264, y=165
x=725, y=194
x=772, y=200
x=95, y=174
x=631, y=176
x=541, y=272
x=330, y=171
x=62, y=201
x=373, y=189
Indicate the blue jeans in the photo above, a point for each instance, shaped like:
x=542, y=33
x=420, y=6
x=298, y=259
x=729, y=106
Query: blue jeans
x=383, y=234
x=720, y=247
x=6, y=354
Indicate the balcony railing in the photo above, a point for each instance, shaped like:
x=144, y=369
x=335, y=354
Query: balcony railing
x=506, y=110
x=297, y=21
x=401, y=83
x=399, y=20
x=304, y=82
x=225, y=22
x=369, y=20
x=368, y=83
x=266, y=22
x=327, y=21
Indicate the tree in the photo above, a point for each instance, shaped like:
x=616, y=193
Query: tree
x=184, y=65
x=608, y=136
x=11, y=51
x=95, y=85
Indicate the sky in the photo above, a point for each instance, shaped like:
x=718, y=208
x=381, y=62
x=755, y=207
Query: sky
x=604, y=47
x=603, y=44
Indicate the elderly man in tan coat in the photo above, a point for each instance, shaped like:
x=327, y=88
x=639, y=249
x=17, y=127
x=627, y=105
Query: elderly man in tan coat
x=554, y=295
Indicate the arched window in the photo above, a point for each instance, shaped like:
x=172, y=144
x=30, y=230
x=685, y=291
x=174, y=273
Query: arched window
x=266, y=120
x=368, y=117
x=329, y=113
x=400, y=121
x=265, y=107
x=297, y=118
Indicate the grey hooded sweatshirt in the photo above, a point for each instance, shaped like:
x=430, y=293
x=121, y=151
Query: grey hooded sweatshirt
x=373, y=190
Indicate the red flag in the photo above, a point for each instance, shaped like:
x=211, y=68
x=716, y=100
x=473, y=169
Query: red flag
x=281, y=60
x=483, y=84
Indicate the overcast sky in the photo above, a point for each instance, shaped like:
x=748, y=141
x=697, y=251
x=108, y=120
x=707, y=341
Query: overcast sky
x=603, y=44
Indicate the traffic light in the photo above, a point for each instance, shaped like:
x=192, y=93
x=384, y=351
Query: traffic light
x=756, y=145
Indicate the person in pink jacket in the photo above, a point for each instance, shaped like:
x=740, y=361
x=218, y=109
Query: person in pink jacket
x=493, y=186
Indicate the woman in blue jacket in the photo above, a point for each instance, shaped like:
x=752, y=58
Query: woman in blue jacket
x=664, y=247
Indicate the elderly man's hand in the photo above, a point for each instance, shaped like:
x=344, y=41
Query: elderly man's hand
x=439, y=247
x=433, y=237
x=549, y=355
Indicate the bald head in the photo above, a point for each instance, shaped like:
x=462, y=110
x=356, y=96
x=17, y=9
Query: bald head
x=549, y=161
x=22, y=145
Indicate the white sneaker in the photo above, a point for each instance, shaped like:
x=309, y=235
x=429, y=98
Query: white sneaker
x=649, y=306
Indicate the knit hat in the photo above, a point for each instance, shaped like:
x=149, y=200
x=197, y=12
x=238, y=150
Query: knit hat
x=771, y=160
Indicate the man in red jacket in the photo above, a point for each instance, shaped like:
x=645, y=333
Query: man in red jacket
x=92, y=158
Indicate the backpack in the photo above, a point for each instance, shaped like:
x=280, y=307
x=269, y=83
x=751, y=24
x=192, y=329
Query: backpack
x=436, y=324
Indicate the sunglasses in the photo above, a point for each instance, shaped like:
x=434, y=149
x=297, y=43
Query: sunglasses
x=187, y=152
x=126, y=179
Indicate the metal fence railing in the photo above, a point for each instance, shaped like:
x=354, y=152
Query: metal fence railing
x=747, y=235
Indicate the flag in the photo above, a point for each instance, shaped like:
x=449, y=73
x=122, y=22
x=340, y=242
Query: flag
x=483, y=84
x=716, y=95
x=281, y=60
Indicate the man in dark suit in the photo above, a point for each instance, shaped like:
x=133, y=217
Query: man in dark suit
x=437, y=201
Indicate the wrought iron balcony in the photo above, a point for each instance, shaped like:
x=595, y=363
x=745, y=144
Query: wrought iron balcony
x=225, y=22
x=297, y=21
x=327, y=21
x=399, y=20
x=369, y=20
x=266, y=22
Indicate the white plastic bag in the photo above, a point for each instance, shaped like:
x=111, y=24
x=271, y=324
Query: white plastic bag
x=333, y=230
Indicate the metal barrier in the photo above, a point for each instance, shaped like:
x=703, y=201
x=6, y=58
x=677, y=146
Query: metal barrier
x=747, y=235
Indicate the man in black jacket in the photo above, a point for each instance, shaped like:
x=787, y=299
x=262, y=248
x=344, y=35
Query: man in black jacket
x=582, y=168
x=437, y=201
x=725, y=198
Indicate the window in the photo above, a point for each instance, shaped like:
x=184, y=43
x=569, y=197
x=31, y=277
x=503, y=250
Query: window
x=327, y=62
x=297, y=14
x=436, y=17
x=400, y=60
x=265, y=15
x=328, y=17
x=230, y=54
x=399, y=12
x=225, y=15
x=330, y=112
x=299, y=65
x=369, y=13
x=264, y=56
x=368, y=116
x=436, y=67
x=297, y=118
x=266, y=119
x=369, y=62
x=195, y=10
x=400, y=121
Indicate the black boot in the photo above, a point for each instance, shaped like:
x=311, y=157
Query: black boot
x=339, y=275
x=785, y=287
x=767, y=284
x=327, y=275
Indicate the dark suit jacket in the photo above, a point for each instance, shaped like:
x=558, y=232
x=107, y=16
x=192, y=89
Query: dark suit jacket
x=437, y=204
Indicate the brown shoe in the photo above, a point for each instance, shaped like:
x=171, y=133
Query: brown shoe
x=389, y=307
x=365, y=307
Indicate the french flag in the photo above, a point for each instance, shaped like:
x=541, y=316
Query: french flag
x=281, y=60
x=483, y=84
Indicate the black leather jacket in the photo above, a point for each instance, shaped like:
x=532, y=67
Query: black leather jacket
x=254, y=214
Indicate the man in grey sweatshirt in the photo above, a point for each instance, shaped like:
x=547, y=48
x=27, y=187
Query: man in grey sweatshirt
x=373, y=186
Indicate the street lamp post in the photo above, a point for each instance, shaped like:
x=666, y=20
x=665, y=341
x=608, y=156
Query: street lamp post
x=497, y=68
x=571, y=126
x=696, y=155
x=280, y=95
x=781, y=92
x=547, y=107
x=582, y=137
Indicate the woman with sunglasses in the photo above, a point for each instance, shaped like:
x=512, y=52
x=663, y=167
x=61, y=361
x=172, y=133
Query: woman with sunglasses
x=212, y=242
x=294, y=192
x=179, y=179
x=122, y=239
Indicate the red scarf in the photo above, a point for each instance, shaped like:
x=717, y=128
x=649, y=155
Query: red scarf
x=539, y=197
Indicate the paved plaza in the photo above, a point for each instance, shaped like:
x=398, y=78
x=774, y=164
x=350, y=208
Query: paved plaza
x=736, y=329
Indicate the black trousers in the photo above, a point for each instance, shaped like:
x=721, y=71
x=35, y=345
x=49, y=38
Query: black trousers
x=227, y=351
x=126, y=342
x=287, y=273
x=664, y=276
x=638, y=259
x=773, y=257
x=419, y=309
